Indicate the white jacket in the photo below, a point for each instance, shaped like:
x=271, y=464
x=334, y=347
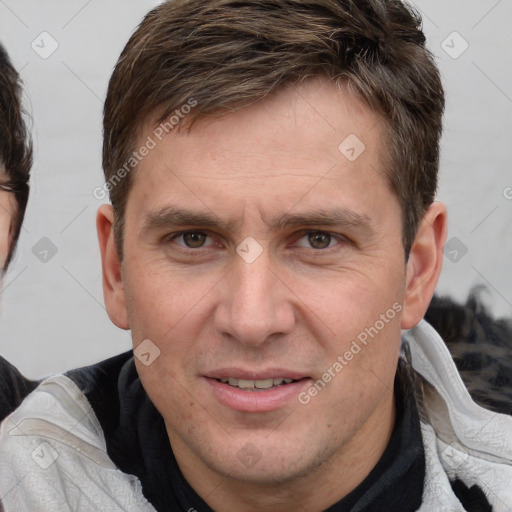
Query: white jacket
x=53, y=453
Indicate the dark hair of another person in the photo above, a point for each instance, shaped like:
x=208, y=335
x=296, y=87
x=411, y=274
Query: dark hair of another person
x=481, y=347
x=15, y=145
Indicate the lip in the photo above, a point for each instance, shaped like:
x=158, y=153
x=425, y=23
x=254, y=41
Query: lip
x=256, y=401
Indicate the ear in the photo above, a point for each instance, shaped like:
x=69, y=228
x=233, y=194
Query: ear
x=424, y=264
x=113, y=287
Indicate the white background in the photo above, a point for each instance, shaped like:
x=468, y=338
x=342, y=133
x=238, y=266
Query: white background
x=52, y=315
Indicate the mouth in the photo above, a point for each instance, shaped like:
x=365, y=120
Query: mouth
x=256, y=385
x=248, y=391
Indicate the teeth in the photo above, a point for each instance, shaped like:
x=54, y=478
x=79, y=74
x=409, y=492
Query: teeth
x=255, y=384
x=242, y=383
x=264, y=384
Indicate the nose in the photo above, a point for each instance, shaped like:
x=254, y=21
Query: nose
x=255, y=305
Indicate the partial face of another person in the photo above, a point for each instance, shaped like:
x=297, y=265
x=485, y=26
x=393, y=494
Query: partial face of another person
x=7, y=213
x=257, y=249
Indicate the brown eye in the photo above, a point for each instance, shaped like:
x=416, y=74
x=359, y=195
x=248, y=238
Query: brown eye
x=319, y=240
x=194, y=239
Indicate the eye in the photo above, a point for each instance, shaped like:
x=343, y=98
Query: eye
x=192, y=239
x=317, y=240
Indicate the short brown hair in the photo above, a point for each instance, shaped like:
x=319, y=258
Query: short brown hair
x=230, y=53
x=15, y=145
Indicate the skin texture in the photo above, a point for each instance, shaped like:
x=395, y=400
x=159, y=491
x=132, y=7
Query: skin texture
x=7, y=210
x=296, y=307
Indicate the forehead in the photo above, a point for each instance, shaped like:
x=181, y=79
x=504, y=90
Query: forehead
x=304, y=139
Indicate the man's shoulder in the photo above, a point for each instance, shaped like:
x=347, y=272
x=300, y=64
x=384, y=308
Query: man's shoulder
x=97, y=381
x=53, y=446
x=464, y=443
x=102, y=383
x=78, y=397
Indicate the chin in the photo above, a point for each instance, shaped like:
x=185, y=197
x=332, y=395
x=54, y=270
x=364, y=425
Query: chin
x=259, y=460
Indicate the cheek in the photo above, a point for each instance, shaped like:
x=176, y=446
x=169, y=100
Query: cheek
x=358, y=317
x=4, y=243
x=160, y=299
x=174, y=313
x=5, y=225
x=347, y=302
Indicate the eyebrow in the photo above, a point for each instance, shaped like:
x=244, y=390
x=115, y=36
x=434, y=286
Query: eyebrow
x=174, y=216
x=338, y=217
x=170, y=216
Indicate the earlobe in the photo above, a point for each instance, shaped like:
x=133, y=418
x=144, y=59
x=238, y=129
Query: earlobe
x=424, y=264
x=113, y=287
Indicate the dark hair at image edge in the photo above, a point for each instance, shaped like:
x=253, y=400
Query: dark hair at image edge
x=227, y=54
x=15, y=145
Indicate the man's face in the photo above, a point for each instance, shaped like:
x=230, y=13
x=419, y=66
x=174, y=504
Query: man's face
x=256, y=249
